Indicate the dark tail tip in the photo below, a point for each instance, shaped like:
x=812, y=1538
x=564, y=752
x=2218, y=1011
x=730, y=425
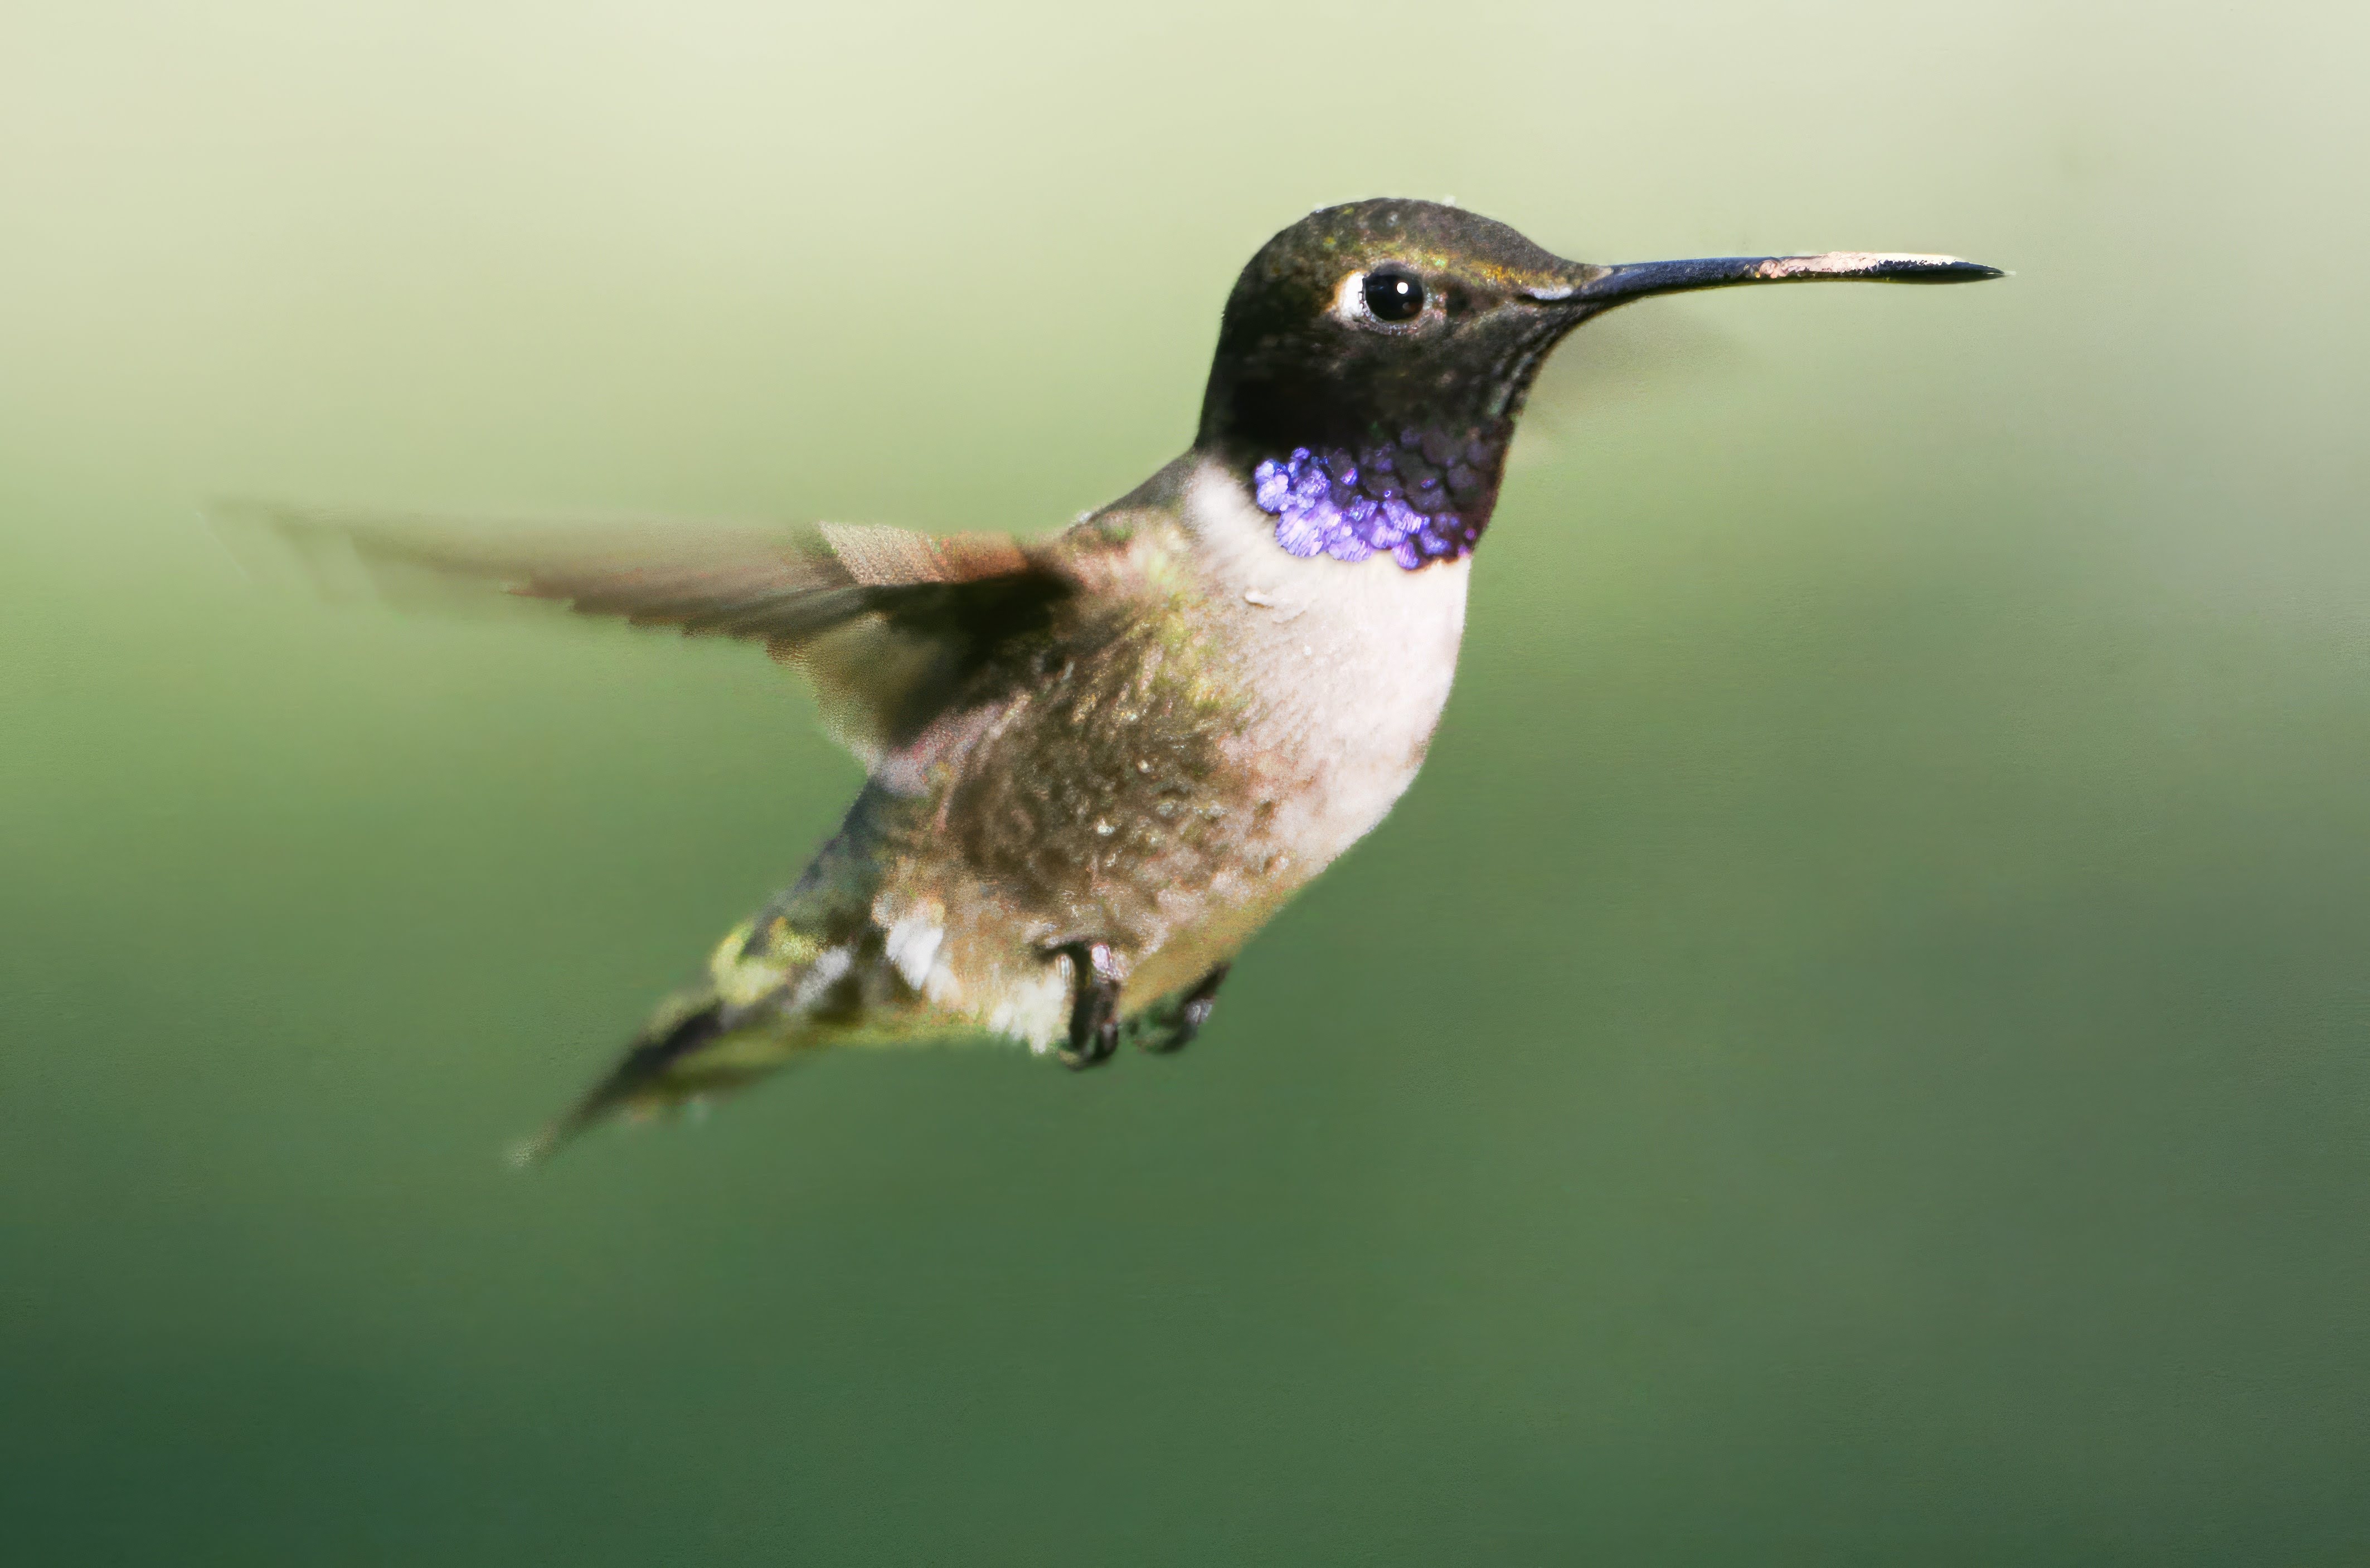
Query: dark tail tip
x=631, y=1080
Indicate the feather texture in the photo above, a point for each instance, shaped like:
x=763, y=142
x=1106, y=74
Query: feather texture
x=889, y=624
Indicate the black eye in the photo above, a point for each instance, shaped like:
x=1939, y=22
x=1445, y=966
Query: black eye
x=1393, y=294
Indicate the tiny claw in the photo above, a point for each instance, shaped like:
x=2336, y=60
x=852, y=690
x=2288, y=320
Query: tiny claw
x=1094, y=1007
x=1192, y=1010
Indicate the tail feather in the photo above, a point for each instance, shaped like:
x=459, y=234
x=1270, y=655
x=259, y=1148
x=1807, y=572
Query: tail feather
x=647, y=1079
x=810, y=969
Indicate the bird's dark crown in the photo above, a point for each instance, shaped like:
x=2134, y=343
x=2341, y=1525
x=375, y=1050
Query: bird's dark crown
x=1303, y=358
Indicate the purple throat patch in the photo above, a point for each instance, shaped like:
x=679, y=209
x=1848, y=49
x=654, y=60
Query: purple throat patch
x=1423, y=498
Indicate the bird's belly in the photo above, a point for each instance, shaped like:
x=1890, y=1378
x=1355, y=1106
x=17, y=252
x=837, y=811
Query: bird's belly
x=1313, y=781
x=1346, y=667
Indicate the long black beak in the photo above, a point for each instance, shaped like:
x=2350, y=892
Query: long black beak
x=1602, y=286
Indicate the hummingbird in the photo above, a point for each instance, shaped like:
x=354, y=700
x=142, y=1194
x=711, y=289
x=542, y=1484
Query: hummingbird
x=1099, y=760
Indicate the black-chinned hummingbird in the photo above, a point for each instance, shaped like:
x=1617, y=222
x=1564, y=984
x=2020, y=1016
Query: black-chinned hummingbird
x=1098, y=761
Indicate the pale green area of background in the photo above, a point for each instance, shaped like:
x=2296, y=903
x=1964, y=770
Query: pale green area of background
x=1855, y=1050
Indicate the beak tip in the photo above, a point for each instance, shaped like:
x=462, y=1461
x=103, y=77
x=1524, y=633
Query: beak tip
x=1955, y=270
x=1875, y=267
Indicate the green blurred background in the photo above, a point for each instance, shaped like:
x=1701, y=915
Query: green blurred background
x=1853, y=1051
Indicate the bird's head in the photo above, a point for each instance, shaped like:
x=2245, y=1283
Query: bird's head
x=1374, y=358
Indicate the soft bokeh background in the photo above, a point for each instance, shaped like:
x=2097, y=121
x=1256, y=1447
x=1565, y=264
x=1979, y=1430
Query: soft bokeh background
x=1855, y=1050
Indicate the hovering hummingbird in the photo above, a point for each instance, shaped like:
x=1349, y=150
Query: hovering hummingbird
x=1098, y=761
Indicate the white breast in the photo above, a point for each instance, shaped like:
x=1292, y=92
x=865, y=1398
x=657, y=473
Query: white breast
x=1354, y=659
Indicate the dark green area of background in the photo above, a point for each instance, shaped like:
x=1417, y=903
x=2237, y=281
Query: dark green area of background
x=1853, y=1051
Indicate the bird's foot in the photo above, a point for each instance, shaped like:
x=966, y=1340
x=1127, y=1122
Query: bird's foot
x=1172, y=1024
x=1094, y=1003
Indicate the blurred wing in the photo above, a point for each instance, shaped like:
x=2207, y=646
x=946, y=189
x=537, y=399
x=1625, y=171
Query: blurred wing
x=890, y=625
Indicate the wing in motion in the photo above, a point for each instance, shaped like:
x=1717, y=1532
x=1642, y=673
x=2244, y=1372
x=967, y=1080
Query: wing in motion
x=890, y=625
